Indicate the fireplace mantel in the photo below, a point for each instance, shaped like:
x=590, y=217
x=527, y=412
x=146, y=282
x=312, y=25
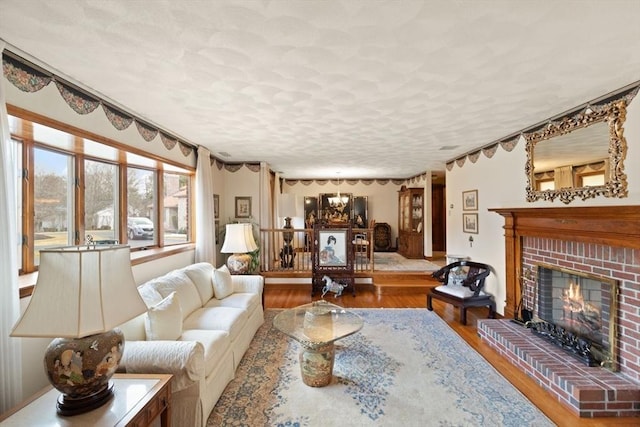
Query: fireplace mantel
x=617, y=226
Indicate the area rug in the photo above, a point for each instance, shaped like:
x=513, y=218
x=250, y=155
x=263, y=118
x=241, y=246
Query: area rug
x=392, y=261
x=405, y=367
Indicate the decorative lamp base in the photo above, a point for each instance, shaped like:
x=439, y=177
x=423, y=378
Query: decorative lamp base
x=80, y=368
x=239, y=263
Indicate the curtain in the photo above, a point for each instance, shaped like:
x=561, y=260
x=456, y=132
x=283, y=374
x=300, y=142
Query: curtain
x=205, y=221
x=563, y=177
x=11, y=358
x=266, y=216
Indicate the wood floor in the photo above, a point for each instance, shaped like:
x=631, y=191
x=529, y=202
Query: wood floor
x=292, y=296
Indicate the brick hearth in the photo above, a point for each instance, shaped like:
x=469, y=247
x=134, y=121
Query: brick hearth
x=588, y=391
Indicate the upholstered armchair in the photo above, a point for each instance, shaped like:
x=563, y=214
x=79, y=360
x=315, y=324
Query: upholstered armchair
x=462, y=286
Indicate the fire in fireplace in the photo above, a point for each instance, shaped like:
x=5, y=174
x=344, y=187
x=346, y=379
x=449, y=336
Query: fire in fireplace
x=577, y=312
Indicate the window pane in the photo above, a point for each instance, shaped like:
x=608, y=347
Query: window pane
x=141, y=209
x=53, y=200
x=176, y=201
x=101, y=200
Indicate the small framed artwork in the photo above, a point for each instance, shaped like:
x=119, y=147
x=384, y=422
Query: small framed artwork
x=470, y=200
x=470, y=223
x=310, y=211
x=216, y=206
x=217, y=231
x=243, y=207
x=332, y=245
x=360, y=212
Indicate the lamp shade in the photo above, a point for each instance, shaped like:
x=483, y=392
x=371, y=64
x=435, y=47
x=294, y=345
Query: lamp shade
x=287, y=205
x=81, y=291
x=248, y=237
x=237, y=240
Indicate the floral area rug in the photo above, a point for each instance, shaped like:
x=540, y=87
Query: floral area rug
x=405, y=367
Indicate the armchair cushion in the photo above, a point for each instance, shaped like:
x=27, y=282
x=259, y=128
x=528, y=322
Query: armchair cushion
x=462, y=274
x=458, y=291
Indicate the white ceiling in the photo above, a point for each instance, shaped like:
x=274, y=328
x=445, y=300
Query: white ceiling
x=348, y=88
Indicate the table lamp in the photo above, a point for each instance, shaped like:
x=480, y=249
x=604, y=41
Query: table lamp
x=238, y=241
x=82, y=294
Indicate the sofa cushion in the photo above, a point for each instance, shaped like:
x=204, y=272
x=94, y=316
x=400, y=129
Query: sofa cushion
x=149, y=294
x=201, y=274
x=179, y=282
x=244, y=300
x=215, y=343
x=164, y=320
x=134, y=329
x=222, y=284
x=228, y=319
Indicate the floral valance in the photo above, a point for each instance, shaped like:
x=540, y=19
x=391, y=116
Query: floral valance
x=30, y=78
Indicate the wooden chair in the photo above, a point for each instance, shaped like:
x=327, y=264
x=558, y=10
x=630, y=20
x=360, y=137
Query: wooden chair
x=462, y=284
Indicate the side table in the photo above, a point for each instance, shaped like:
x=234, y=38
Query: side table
x=138, y=400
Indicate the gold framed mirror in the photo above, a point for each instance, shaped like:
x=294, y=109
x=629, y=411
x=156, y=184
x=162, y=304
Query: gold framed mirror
x=580, y=156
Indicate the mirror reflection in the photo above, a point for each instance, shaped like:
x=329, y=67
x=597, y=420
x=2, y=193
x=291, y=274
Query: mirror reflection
x=579, y=157
x=575, y=159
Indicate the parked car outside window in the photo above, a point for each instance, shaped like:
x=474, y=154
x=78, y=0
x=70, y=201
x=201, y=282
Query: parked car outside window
x=139, y=228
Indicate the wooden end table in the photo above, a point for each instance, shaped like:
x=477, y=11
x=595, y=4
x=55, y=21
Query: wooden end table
x=138, y=400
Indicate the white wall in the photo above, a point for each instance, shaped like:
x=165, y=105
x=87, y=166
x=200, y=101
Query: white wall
x=382, y=199
x=501, y=183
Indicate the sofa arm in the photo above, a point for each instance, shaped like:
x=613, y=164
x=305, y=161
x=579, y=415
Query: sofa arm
x=252, y=283
x=183, y=359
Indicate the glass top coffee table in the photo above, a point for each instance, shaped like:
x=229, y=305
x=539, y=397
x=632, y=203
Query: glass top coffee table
x=316, y=326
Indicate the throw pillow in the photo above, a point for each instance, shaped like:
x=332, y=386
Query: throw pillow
x=222, y=285
x=164, y=320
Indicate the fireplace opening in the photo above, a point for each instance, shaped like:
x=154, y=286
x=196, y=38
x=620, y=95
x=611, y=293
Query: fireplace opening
x=576, y=311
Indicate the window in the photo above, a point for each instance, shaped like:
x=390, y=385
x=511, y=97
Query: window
x=141, y=207
x=101, y=201
x=591, y=179
x=71, y=187
x=176, y=208
x=52, y=200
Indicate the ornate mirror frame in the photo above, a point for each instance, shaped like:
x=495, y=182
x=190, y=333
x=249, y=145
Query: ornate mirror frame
x=614, y=113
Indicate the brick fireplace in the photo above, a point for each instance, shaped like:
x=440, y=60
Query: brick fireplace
x=601, y=241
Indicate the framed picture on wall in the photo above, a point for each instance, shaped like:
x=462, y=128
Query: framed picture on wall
x=360, y=212
x=310, y=211
x=243, y=207
x=470, y=223
x=470, y=200
x=216, y=206
x=335, y=207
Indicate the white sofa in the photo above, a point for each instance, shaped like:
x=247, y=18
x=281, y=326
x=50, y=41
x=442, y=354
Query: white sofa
x=199, y=323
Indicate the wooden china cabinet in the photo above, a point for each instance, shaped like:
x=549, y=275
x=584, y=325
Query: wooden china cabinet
x=411, y=222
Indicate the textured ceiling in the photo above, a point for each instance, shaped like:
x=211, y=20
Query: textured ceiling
x=363, y=89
